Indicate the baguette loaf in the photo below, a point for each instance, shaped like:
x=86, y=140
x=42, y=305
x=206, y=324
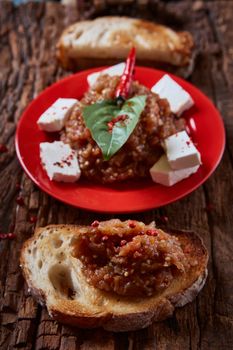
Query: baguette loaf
x=107, y=40
x=55, y=277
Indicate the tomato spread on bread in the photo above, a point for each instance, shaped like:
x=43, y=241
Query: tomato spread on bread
x=129, y=258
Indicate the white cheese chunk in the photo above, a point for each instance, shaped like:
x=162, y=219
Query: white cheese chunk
x=53, y=119
x=162, y=173
x=59, y=161
x=118, y=69
x=181, y=152
x=179, y=99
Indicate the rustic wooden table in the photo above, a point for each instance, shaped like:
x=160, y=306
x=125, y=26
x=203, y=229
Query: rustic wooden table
x=27, y=65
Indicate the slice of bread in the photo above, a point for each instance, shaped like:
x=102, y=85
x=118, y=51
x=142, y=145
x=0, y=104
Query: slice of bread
x=107, y=40
x=55, y=278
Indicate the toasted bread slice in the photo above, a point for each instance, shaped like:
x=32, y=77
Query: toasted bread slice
x=107, y=40
x=55, y=278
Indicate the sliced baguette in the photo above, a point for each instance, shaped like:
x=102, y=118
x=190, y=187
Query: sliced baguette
x=107, y=40
x=55, y=278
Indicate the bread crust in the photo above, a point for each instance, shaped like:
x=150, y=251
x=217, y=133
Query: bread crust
x=112, y=312
x=106, y=40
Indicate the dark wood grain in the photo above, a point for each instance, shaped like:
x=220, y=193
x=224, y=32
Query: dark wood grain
x=28, y=35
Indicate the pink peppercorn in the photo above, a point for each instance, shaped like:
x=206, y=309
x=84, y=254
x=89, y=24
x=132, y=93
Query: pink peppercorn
x=3, y=148
x=132, y=224
x=163, y=219
x=33, y=219
x=7, y=235
x=95, y=223
x=11, y=235
x=152, y=232
x=20, y=200
x=18, y=187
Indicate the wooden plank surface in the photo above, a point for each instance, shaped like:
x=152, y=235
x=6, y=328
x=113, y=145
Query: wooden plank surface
x=28, y=35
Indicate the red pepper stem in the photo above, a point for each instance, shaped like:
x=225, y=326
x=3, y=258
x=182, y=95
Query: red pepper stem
x=123, y=87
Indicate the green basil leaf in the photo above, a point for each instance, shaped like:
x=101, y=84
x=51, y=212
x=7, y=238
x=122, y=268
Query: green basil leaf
x=98, y=115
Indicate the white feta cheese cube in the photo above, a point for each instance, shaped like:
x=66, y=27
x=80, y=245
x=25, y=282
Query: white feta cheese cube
x=118, y=69
x=181, y=152
x=59, y=161
x=179, y=99
x=54, y=118
x=162, y=173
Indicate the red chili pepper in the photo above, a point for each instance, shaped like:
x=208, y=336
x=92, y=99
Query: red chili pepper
x=120, y=118
x=122, y=89
x=110, y=126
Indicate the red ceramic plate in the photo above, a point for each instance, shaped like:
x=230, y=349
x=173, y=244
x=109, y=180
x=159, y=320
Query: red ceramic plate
x=204, y=122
